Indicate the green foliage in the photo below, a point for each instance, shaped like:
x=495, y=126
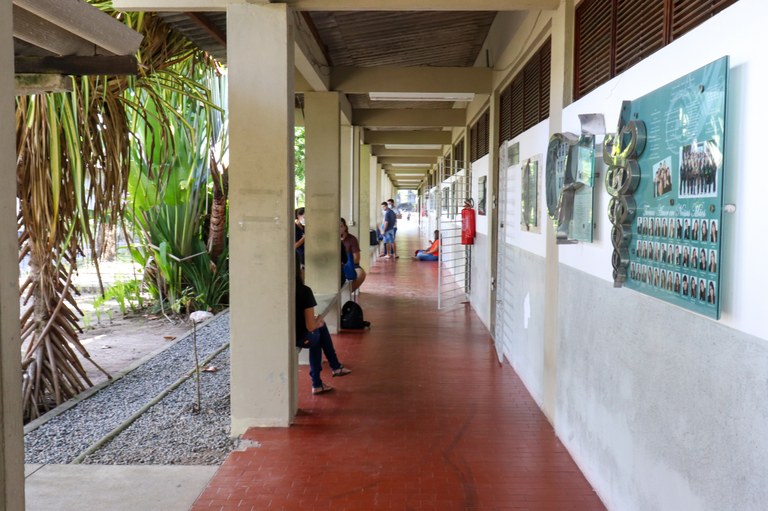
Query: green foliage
x=127, y=294
x=170, y=192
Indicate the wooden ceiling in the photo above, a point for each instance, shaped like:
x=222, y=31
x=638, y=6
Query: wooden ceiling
x=384, y=38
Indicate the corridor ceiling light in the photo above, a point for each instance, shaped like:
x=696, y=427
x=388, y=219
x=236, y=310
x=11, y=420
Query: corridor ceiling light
x=422, y=165
x=412, y=146
x=407, y=174
x=421, y=96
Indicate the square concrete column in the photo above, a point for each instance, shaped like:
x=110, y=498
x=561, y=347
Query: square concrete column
x=11, y=432
x=365, y=205
x=559, y=96
x=262, y=287
x=322, y=166
x=347, y=176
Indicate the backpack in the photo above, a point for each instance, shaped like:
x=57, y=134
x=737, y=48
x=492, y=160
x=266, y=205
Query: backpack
x=352, y=317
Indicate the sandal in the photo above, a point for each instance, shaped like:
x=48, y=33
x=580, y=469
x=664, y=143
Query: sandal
x=341, y=371
x=320, y=390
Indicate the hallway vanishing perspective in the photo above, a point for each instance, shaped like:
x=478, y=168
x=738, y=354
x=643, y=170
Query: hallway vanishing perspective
x=428, y=420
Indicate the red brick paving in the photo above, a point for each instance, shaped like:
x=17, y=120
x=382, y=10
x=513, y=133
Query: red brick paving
x=428, y=420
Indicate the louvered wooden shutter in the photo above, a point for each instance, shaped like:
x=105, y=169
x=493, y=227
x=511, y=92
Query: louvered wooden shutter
x=483, y=134
x=593, y=45
x=518, y=119
x=545, y=66
x=688, y=14
x=473, y=143
x=458, y=151
x=639, y=31
x=531, y=93
x=505, y=114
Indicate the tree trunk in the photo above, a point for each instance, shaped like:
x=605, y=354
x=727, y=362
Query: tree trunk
x=217, y=230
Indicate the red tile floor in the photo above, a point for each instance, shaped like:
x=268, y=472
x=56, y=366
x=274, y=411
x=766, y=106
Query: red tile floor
x=428, y=420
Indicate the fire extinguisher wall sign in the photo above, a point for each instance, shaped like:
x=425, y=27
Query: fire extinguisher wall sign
x=467, y=224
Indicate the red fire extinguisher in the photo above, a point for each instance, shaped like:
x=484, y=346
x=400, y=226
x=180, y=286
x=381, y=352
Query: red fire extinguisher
x=468, y=223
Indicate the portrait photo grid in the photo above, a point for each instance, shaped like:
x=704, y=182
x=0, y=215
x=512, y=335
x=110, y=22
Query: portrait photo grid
x=677, y=256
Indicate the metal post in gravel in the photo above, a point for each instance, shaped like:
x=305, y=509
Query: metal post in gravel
x=197, y=317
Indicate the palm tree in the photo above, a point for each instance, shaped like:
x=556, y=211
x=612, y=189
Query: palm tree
x=72, y=174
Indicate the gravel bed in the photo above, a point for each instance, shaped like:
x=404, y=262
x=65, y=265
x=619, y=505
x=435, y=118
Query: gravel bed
x=170, y=433
x=62, y=438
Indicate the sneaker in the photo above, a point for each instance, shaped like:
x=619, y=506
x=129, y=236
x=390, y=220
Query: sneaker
x=341, y=371
x=320, y=390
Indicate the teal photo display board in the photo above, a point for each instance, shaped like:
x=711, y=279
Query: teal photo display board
x=675, y=248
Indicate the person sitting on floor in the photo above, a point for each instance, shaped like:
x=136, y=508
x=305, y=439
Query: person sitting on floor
x=432, y=253
x=312, y=333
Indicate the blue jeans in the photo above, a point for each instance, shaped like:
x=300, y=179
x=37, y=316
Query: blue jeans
x=320, y=342
x=389, y=236
x=423, y=256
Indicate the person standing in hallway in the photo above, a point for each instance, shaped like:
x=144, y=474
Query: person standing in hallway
x=352, y=270
x=312, y=333
x=298, y=221
x=391, y=206
x=387, y=230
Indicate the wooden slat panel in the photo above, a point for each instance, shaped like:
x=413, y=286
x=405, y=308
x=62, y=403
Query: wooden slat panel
x=483, y=143
x=518, y=101
x=473, y=143
x=593, y=45
x=688, y=14
x=639, y=31
x=458, y=151
x=531, y=76
x=545, y=64
x=380, y=38
x=505, y=114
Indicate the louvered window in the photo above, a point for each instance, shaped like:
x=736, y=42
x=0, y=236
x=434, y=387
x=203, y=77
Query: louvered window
x=525, y=101
x=505, y=114
x=473, y=143
x=613, y=35
x=478, y=134
x=458, y=151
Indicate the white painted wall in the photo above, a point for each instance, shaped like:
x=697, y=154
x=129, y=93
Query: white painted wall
x=739, y=31
x=664, y=409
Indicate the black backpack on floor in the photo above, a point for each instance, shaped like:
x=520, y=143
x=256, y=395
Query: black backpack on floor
x=352, y=317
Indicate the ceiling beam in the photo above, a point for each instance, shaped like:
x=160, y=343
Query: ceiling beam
x=171, y=5
x=381, y=151
x=406, y=170
x=394, y=160
x=309, y=57
x=410, y=117
x=362, y=80
x=346, y=5
x=28, y=84
x=204, y=22
x=407, y=137
x=86, y=21
x=78, y=65
x=40, y=32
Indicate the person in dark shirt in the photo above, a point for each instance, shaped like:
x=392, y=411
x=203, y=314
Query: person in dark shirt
x=312, y=333
x=299, y=234
x=387, y=230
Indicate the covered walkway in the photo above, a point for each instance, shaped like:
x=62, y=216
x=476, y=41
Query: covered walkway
x=428, y=420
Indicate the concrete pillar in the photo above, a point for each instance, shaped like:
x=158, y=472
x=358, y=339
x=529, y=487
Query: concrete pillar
x=11, y=432
x=347, y=176
x=559, y=96
x=365, y=205
x=493, y=210
x=264, y=373
x=322, y=171
x=356, y=228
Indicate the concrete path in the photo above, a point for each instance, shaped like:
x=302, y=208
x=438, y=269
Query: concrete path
x=114, y=487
